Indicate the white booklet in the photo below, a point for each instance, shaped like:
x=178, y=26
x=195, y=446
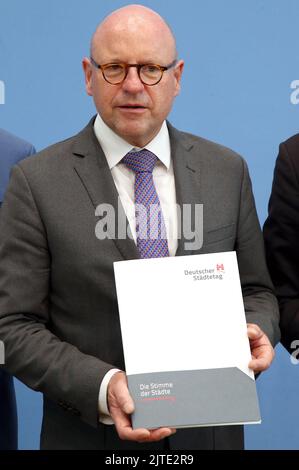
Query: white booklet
x=185, y=341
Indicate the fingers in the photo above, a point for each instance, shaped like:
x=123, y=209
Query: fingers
x=121, y=406
x=254, y=331
x=124, y=399
x=124, y=428
x=260, y=364
x=261, y=349
x=118, y=394
x=125, y=431
x=161, y=433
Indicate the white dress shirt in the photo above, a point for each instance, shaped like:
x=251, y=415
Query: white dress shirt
x=115, y=148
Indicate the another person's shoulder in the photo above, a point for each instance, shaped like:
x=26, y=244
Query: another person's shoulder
x=14, y=148
x=292, y=146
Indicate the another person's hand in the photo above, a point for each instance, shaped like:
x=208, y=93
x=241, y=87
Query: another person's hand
x=121, y=406
x=262, y=351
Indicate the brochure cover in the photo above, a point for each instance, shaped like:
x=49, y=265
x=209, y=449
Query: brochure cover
x=185, y=341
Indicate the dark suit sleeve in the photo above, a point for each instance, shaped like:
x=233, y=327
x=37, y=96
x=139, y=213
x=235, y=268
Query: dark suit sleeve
x=12, y=149
x=33, y=354
x=281, y=232
x=8, y=413
x=259, y=300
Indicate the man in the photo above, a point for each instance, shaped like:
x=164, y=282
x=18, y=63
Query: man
x=12, y=149
x=59, y=315
x=281, y=231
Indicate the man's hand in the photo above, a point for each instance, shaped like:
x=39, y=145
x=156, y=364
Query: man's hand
x=121, y=406
x=261, y=349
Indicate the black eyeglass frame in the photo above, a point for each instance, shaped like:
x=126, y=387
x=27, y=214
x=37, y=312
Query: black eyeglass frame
x=127, y=66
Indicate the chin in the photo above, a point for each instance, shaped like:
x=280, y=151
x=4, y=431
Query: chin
x=132, y=132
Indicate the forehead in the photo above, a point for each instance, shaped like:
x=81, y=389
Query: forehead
x=134, y=44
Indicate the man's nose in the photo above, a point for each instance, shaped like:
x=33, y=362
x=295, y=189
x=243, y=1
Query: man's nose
x=132, y=82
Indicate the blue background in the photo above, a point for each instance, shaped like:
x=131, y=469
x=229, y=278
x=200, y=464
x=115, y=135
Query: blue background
x=241, y=57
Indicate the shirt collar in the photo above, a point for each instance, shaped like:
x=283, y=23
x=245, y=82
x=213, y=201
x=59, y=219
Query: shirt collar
x=115, y=148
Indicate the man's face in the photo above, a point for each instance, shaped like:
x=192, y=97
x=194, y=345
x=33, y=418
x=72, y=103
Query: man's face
x=131, y=109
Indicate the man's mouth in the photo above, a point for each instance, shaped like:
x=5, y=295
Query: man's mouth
x=132, y=106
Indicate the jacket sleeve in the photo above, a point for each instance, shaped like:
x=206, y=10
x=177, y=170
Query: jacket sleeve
x=281, y=231
x=260, y=303
x=32, y=353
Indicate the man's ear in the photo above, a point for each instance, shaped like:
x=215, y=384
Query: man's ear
x=178, y=71
x=87, y=68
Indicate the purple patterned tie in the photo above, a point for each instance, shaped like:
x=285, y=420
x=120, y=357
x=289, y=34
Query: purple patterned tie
x=150, y=225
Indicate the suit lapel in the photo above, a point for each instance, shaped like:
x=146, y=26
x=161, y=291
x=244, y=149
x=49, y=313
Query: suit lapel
x=92, y=168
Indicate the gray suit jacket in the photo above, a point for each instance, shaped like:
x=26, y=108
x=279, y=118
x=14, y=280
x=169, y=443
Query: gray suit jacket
x=58, y=308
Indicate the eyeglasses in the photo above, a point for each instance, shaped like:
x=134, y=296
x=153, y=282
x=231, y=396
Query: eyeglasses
x=149, y=74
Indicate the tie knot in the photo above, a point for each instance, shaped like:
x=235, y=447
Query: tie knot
x=140, y=162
